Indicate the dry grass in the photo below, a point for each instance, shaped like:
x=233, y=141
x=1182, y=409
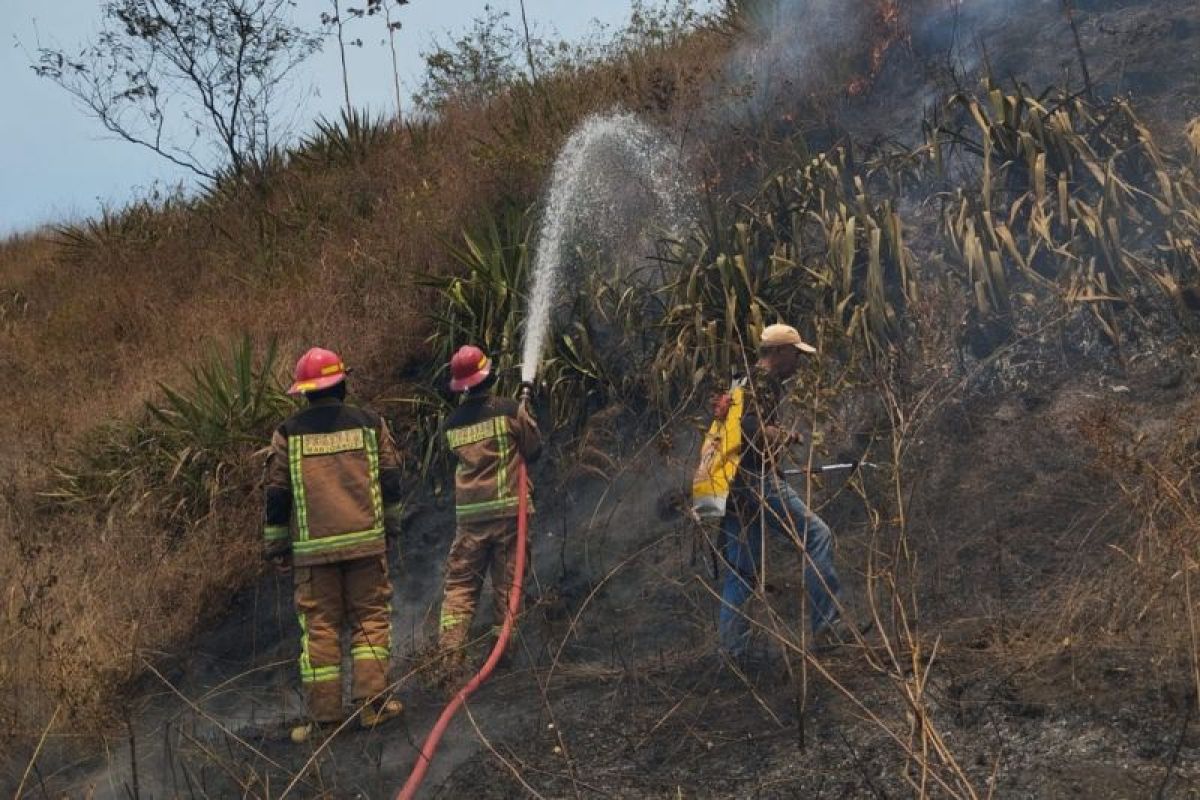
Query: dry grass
x=96, y=314
x=1135, y=609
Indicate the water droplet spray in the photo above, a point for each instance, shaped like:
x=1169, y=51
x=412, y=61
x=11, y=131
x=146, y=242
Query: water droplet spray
x=606, y=165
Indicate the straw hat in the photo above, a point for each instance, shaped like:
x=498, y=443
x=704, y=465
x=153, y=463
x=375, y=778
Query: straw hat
x=782, y=336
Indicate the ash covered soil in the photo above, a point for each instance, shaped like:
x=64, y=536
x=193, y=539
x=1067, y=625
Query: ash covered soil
x=615, y=690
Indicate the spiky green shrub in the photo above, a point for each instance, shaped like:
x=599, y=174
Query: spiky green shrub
x=112, y=232
x=1045, y=200
x=486, y=302
x=185, y=451
x=1037, y=200
x=344, y=141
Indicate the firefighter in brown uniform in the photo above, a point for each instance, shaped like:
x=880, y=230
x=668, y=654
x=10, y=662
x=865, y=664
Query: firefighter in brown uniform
x=489, y=437
x=332, y=500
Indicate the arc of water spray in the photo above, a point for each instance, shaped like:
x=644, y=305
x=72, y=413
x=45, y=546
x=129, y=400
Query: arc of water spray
x=581, y=191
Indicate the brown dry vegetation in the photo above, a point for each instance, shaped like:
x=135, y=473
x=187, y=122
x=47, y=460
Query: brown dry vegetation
x=94, y=320
x=329, y=253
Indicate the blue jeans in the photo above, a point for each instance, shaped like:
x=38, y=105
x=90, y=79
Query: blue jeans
x=785, y=514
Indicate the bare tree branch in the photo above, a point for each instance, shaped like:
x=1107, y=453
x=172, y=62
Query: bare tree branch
x=160, y=69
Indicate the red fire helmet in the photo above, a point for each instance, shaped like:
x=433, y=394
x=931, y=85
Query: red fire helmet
x=469, y=367
x=317, y=369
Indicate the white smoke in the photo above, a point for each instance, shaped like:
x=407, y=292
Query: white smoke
x=791, y=48
x=788, y=46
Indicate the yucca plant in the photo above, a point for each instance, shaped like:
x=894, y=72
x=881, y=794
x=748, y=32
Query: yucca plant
x=421, y=133
x=850, y=244
x=592, y=360
x=347, y=140
x=815, y=242
x=109, y=233
x=710, y=310
x=230, y=402
x=484, y=302
x=177, y=459
x=419, y=431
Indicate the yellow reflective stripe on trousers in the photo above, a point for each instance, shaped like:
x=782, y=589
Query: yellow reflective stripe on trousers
x=320, y=674
x=327, y=543
x=449, y=620
x=305, y=664
x=475, y=509
x=309, y=673
x=366, y=651
x=299, y=500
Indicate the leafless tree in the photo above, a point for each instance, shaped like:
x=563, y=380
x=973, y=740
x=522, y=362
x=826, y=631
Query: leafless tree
x=528, y=45
x=196, y=81
x=337, y=24
x=393, y=27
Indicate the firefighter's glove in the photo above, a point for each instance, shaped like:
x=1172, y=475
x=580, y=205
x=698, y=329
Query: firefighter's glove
x=273, y=548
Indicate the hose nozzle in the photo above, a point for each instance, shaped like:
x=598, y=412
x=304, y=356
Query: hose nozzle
x=525, y=392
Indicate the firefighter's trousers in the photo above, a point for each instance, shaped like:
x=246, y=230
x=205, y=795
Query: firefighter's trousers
x=479, y=547
x=355, y=594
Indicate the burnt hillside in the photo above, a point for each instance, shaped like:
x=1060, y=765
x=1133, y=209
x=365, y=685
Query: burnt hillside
x=997, y=259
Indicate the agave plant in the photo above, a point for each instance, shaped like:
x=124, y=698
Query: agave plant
x=814, y=242
x=177, y=458
x=484, y=302
x=230, y=401
x=347, y=140
x=109, y=233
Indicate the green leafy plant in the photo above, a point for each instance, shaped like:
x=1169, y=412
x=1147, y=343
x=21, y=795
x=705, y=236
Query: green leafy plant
x=344, y=141
x=111, y=232
x=815, y=242
x=183, y=453
x=485, y=303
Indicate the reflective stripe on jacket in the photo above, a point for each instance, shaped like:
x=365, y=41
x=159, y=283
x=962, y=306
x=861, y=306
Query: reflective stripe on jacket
x=332, y=482
x=489, y=436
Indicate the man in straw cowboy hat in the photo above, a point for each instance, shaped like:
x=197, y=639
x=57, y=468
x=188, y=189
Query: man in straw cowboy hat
x=761, y=498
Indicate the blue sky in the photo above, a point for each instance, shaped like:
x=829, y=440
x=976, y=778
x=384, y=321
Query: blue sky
x=56, y=163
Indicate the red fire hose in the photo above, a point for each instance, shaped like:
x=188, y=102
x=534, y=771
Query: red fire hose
x=514, y=603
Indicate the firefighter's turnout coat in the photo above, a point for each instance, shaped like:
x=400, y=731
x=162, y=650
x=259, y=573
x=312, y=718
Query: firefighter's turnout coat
x=489, y=437
x=332, y=493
